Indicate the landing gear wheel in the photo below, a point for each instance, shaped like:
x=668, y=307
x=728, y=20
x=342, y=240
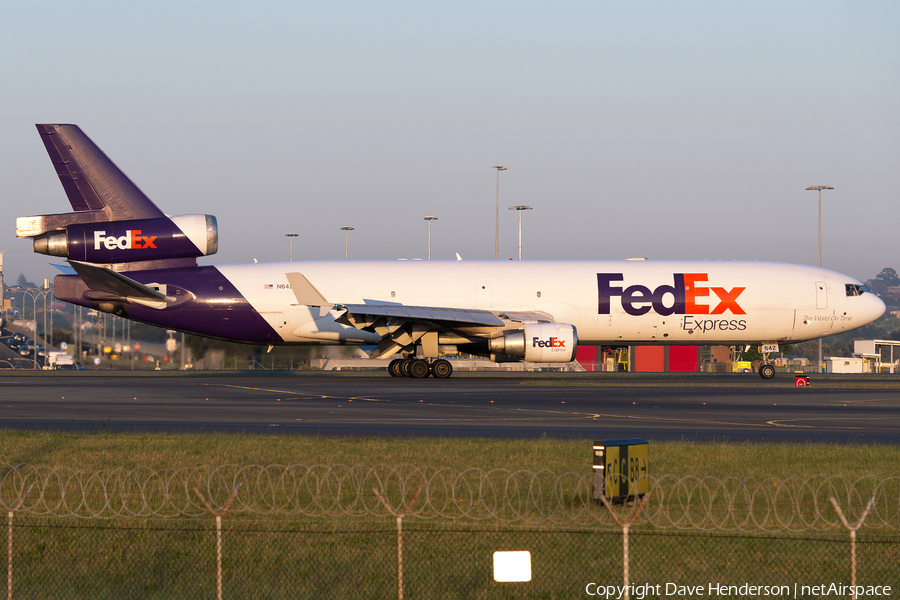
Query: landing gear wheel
x=766, y=371
x=394, y=368
x=404, y=367
x=441, y=369
x=418, y=369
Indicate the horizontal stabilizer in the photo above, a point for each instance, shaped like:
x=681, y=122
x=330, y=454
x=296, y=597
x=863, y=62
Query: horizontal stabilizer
x=115, y=286
x=64, y=269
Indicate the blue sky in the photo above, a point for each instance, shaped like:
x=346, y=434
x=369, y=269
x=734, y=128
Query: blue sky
x=667, y=130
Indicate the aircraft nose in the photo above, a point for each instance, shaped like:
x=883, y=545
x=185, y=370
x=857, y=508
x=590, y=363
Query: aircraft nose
x=873, y=308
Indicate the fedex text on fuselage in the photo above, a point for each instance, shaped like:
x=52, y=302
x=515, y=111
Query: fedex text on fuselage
x=686, y=296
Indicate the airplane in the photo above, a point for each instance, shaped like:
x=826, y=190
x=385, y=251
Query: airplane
x=132, y=260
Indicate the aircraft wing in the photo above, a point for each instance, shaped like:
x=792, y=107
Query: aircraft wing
x=400, y=326
x=448, y=316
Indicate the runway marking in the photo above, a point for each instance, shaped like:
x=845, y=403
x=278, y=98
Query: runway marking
x=869, y=401
x=308, y=395
x=683, y=420
x=595, y=416
x=779, y=424
x=820, y=418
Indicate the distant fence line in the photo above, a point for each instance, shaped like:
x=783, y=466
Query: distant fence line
x=498, y=495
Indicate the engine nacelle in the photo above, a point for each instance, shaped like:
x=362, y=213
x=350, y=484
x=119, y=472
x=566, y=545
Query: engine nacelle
x=538, y=342
x=184, y=236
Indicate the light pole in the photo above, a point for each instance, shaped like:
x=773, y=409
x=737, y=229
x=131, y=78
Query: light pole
x=497, y=222
x=346, y=229
x=429, y=219
x=520, y=208
x=820, y=188
x=291, y=236
x=34, y=294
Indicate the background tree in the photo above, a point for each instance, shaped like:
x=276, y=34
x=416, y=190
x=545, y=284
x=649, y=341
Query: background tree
x=881, y=283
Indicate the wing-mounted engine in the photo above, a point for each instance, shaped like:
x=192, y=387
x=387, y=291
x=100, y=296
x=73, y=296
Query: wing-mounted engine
x=537, y=342
x=531, y=337
x=185, y=236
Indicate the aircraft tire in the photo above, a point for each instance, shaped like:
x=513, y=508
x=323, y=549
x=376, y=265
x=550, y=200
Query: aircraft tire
x=394, y=368
x=441, y=369
x=766, y=371
x=404, y=367
x=418, y=369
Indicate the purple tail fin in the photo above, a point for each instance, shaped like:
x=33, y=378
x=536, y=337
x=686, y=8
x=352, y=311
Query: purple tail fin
x=91, y=180
x=113, y=221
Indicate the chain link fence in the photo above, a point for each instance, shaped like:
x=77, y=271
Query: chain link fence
x=322, y=532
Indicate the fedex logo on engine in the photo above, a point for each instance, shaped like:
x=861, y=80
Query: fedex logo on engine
x=553, y=342
x=687, y=296
x=131, y=239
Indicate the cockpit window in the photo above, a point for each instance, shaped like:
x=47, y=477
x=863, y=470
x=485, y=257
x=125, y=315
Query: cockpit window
x=856, y=289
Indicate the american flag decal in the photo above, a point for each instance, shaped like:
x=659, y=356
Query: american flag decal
x=268, y=286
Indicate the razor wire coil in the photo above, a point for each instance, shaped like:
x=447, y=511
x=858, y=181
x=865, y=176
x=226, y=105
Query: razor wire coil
x=481, y=495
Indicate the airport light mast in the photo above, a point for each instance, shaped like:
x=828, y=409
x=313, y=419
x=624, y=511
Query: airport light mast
x=497, y=222
x=291, y=236
x=347, y=229
x=820, y=188
x=429, y=219
x=520, y=208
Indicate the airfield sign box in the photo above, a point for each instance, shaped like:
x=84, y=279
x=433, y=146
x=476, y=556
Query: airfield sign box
x=621, y=468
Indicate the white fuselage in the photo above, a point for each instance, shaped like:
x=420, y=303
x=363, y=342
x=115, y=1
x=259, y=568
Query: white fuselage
x=609, y=302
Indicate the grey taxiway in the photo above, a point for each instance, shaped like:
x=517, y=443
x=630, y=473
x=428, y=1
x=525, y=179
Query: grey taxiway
x=833, y=409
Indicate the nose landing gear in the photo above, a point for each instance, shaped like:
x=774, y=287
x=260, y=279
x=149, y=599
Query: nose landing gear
x=766, y=368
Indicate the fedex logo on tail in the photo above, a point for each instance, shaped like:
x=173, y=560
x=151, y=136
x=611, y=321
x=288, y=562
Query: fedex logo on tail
x=131, y=239
x=686, y=296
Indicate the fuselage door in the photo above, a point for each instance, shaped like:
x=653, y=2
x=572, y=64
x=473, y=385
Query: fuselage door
x=821, y=295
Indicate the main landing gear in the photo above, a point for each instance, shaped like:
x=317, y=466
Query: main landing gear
x=420, y=368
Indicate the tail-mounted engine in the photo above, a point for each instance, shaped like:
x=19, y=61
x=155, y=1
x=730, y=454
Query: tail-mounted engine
x=184, y=236
x=538, y=342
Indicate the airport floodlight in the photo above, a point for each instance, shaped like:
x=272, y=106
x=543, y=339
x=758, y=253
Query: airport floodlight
x=429, y=219
x=520, y=208
x=291, y=236
x=497, y=221
x=347, y=229
x=819, y=188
